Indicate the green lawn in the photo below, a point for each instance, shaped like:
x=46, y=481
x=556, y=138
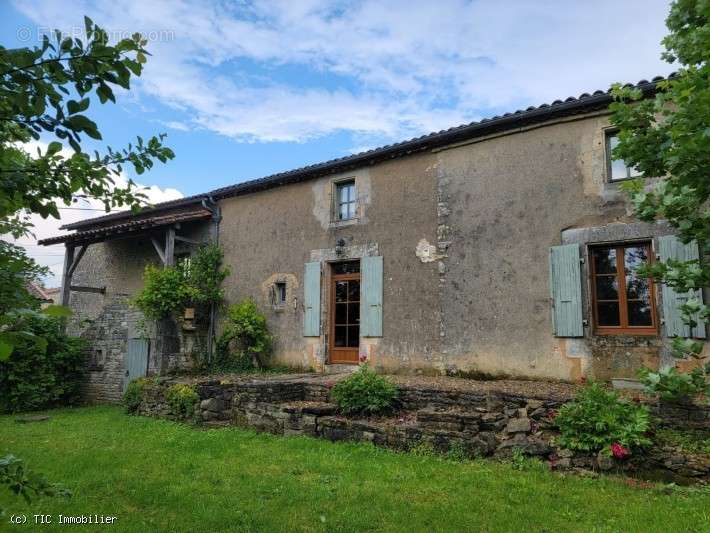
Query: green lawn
x=160, y=476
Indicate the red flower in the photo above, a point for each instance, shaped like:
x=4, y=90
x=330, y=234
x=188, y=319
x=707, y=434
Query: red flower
x=551, y=414
x=619, y=452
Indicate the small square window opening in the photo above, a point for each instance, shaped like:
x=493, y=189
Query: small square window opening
x=346, y=200
x=617, y=169
x=280, y=293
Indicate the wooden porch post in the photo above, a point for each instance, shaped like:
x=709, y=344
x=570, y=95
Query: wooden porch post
x=170, y=247
x=67, y=273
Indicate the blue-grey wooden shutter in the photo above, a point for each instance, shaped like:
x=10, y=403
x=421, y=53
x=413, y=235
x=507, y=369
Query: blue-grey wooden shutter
x=371, y=296
x=670, y=247
x=311, y=300
x=566, y=291
x=136, y=360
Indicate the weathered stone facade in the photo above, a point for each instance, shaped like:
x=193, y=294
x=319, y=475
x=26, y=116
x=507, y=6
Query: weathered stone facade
x=464, y=229
x=474, y=423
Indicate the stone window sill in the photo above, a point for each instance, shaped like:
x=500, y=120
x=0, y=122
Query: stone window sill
x=335, y=224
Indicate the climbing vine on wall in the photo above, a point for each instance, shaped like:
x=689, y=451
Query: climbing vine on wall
x=194, y=283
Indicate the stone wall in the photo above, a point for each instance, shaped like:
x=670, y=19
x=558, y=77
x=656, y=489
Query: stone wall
x=107, y=320
x=683, y=416
x=108, y=334
x=473, y=424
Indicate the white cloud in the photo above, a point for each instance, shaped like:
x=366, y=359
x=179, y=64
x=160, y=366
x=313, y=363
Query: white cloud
x=53, y=256
x=176, y=125
x=411, y=66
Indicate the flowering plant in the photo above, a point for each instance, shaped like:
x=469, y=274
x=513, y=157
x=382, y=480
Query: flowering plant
x=619, y=451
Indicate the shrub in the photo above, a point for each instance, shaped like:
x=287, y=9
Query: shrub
x=196, y=282
x=245, y=341
x=182, y=399
x=204, y=274
x=674, y=386
x=133, y=396
x=42, y=374
x=596, y=419
x=164, y=292
x=365, y=392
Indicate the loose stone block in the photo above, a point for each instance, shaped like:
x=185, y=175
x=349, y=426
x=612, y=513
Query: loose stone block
x=212, y=404
x=518, y=425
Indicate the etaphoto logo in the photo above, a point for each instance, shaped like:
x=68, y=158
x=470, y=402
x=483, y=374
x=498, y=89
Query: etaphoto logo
x=36, y=33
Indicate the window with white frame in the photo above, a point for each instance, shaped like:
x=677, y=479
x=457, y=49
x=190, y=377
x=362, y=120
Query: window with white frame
x=617, y=169
x=345, y=200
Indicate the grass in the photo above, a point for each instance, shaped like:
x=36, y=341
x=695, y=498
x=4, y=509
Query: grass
x=156, y=475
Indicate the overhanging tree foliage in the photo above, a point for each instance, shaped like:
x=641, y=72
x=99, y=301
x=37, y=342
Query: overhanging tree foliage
x=668, y=137
x=45, y=92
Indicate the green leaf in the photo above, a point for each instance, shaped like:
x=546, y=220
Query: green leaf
x=57, y=311
x=105, y=93
x=77, y=107
x=5, y=350
x=54, y=148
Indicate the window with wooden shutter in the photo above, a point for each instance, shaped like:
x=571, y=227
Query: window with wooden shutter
x=311, y=300
x=670, y=247
x=371, y=269
x=566, y=291
x=623, y=302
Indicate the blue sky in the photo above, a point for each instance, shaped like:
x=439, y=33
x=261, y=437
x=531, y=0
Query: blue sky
x=245, y=89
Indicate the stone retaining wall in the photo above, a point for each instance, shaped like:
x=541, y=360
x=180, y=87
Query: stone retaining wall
x=474, y=424
x=682, y=416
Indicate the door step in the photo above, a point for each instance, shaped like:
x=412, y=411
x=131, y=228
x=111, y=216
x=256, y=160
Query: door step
x=339, y=368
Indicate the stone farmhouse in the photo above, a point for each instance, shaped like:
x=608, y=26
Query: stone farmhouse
x=498, y=248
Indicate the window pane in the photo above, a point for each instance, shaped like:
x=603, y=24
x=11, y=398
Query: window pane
x=341, y=291
x=608, y=313
x=341, y=333
x=605, y=260
x=618, y=170
x=607, y=288
x=354, y=291
x=351, y=210
x=349, y=267
x=344, y=190
x=640, y=314
x=353, y=336
x=353, y=313
x=341, y=313
x=637, y=288
x=280, y=292
x=343, y=214
x=617, y=166
x=634, y=257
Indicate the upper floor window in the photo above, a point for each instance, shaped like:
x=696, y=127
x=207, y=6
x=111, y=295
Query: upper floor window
x=346, y=200
x=623, y=302
x=617, y=169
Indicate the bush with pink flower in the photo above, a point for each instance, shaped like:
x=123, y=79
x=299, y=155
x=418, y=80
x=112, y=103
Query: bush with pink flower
x=598, y=420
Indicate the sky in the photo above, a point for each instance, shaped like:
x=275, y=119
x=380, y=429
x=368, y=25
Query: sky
x=245, y=89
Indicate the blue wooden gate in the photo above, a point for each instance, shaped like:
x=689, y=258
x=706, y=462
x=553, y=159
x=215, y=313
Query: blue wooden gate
x=136, y=360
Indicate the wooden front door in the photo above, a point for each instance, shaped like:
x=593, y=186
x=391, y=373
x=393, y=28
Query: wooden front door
x=344, y=313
